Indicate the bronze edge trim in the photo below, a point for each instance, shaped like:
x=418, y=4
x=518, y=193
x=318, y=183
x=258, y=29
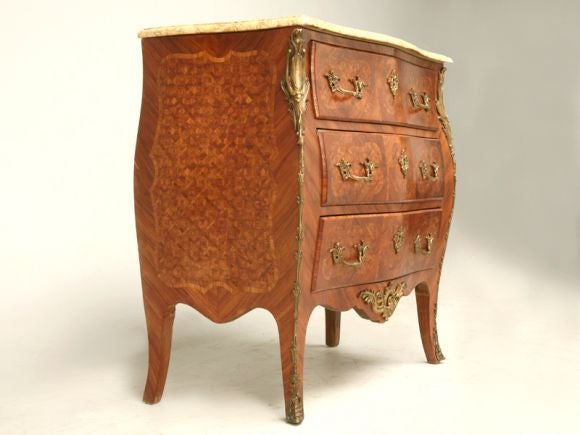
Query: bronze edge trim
x=296, y=86
x=446, y=128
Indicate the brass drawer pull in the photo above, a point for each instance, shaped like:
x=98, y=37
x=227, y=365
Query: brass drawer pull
x=338, y=250
x=419, y=249
x=344, y=168
x=420, y=104
x=358, y=84
x=384, y=301
x=425, y=170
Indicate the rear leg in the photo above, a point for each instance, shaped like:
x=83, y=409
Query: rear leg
x=332, y=327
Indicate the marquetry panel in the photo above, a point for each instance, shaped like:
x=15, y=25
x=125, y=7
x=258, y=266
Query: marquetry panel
x=213, y=193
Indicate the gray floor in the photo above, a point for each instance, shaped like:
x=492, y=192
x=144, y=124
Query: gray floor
x=74, y=361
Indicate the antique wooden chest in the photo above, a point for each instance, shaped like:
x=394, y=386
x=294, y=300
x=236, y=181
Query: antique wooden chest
x=287, y=164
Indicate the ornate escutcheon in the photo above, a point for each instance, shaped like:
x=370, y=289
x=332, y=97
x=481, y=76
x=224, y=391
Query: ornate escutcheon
x=404, y=163
x=333, y=83
x=344, y=168
x=384, y=301
x=420, y=102
x=424, y=168
x=393, y=81
x=398, y=240
x=338, y=250
x=427, y=250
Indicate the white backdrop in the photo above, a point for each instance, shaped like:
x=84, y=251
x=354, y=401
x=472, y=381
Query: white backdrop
x=71, y=321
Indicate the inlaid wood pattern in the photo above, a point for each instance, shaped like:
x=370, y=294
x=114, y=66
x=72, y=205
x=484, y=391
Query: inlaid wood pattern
x=377, y=102
x=389, y=182
x=381, y=260
x=213, y=193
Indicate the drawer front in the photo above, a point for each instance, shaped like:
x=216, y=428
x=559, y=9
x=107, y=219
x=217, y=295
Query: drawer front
x=374, y=168
x=376, y=247
x=353, y=85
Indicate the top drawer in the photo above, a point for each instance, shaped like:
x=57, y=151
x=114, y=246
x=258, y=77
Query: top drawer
x=359, y=86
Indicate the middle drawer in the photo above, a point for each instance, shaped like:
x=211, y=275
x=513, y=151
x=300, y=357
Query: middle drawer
x=375, y=168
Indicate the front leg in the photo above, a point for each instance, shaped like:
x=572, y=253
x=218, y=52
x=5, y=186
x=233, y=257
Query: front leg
x=159, y=318
x=426, y=294
x=292, y=331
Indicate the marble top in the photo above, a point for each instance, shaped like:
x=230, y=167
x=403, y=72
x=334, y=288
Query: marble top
x=303, y=21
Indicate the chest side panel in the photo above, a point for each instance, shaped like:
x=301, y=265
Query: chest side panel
x=213, y=191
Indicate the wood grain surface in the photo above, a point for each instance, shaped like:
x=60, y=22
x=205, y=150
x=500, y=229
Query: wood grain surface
x=389, y=183
x=224, y=170
x=381, y=261
x=377, y=103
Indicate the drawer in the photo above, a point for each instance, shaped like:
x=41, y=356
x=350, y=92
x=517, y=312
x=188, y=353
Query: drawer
x=374, y=168
x=375, y=247
x=351, y=85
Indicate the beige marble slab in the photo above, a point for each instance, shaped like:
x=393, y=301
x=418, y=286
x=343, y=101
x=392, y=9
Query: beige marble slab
x=301, y=20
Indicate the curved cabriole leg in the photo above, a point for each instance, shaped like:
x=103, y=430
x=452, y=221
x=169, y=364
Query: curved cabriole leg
x=426, y=294
x=332, y=327
x=159, y=330
x=292, y=343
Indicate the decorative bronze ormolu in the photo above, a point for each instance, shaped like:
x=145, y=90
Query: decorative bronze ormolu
x=338, y=258
x=384, y=301
x=438, y=353
x=333, y=83
x=423, y=104
x=404, y=163
x=393, y=81
x=441, y=114
x=344, y=168
x=419, y=249
x=296, y=86
x=424, y=168
x=398, y=240
x=446, y=127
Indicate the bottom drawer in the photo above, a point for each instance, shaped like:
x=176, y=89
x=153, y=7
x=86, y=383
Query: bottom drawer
x=375, y=247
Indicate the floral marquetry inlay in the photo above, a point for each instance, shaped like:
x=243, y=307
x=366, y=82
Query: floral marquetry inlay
x=214, y=191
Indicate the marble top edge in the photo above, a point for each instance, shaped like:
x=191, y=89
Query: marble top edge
x=301, y=20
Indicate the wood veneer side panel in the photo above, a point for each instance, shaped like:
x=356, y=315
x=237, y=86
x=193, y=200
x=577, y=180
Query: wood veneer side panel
x=143, y=179
x=222, y=304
